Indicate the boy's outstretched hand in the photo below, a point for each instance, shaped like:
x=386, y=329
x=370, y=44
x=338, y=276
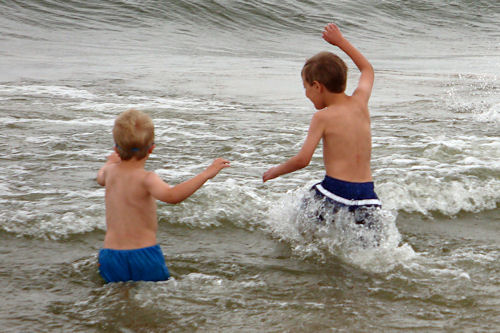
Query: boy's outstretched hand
x=217, y=165
x=332, y=34
x=269, y=174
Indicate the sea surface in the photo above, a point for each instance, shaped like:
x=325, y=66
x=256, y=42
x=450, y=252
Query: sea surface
x=222, y=79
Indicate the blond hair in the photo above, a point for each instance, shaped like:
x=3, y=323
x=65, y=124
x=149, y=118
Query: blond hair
x=133, y=134
x=327, y=69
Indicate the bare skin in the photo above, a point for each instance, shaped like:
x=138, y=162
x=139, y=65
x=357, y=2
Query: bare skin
x=131, y=194
x=342, y=122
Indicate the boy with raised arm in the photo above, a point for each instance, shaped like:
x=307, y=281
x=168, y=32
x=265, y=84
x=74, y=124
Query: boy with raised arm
x=342, y=122
x=131, y=251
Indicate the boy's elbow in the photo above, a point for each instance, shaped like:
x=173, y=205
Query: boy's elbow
x=171, y=199
x=163, y=192
x=369, y=69
x=174, y=201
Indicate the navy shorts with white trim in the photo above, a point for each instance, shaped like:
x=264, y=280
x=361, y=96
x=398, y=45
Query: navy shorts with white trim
x=359, y=198
x=348, y=193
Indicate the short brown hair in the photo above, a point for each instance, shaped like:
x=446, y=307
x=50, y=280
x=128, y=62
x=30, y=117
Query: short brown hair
x=133, y=134
x=328, y=69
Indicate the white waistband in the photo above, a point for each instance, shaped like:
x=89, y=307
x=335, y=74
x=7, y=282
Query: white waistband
x=347, y=201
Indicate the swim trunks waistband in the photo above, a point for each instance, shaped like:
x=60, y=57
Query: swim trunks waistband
x=348, y=193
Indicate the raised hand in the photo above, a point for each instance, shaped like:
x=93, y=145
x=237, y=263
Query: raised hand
x=332, y=34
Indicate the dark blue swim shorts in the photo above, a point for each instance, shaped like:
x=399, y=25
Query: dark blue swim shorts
x=145, y=264
x=348, y=193
x=358, y=198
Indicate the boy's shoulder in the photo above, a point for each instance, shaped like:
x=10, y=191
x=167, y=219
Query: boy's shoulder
x=150, y=178
x=129, y=172
x=320, y=116
x=348, y=104
x=334, y=114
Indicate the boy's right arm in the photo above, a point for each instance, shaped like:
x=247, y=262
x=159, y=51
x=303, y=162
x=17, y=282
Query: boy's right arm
x=332, y=35
x=175, y=194
x=302, y=159
x=101, y=174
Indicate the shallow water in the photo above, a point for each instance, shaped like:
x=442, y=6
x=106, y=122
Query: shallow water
x=222, y=79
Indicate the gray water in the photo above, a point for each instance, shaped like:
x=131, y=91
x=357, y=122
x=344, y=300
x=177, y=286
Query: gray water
x=222, y=78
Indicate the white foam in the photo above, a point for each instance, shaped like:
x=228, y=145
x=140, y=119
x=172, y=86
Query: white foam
x=86, y=121
x=490, y=115
x=237, y=203
x=39, y=90
x=445, y=174
x=205, y=278
x=425, y=194
x=47, y=218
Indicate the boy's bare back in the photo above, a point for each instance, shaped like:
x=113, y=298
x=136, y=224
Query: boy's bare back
x=131, y=219
x=346, y=140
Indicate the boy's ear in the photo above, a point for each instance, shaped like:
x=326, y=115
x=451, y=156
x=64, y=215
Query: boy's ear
x=317, y=85
x=151, y=148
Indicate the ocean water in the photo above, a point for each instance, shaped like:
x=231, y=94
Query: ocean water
x=222, y=78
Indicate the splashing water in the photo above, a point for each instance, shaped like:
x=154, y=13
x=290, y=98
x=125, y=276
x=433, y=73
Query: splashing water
x=373, y=245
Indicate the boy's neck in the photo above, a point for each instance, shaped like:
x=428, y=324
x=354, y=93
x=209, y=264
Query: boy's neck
x=134, y=163
x=331, y=99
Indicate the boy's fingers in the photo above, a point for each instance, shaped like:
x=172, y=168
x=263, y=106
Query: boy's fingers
x=331, y=27
x=224, y=163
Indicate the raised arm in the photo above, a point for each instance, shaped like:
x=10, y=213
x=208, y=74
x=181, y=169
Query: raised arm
x=332, y=35
x=302, y=159
x=175, y=194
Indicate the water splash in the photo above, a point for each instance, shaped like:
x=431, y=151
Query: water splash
x=374, y=246
x=475, y=95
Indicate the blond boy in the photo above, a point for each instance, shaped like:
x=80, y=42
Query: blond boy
x=342, y=122
x=130, y=250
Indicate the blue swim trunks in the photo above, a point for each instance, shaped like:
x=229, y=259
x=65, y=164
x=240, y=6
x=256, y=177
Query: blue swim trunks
x=359, y=198
x=348, y=193
x=145, y=264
